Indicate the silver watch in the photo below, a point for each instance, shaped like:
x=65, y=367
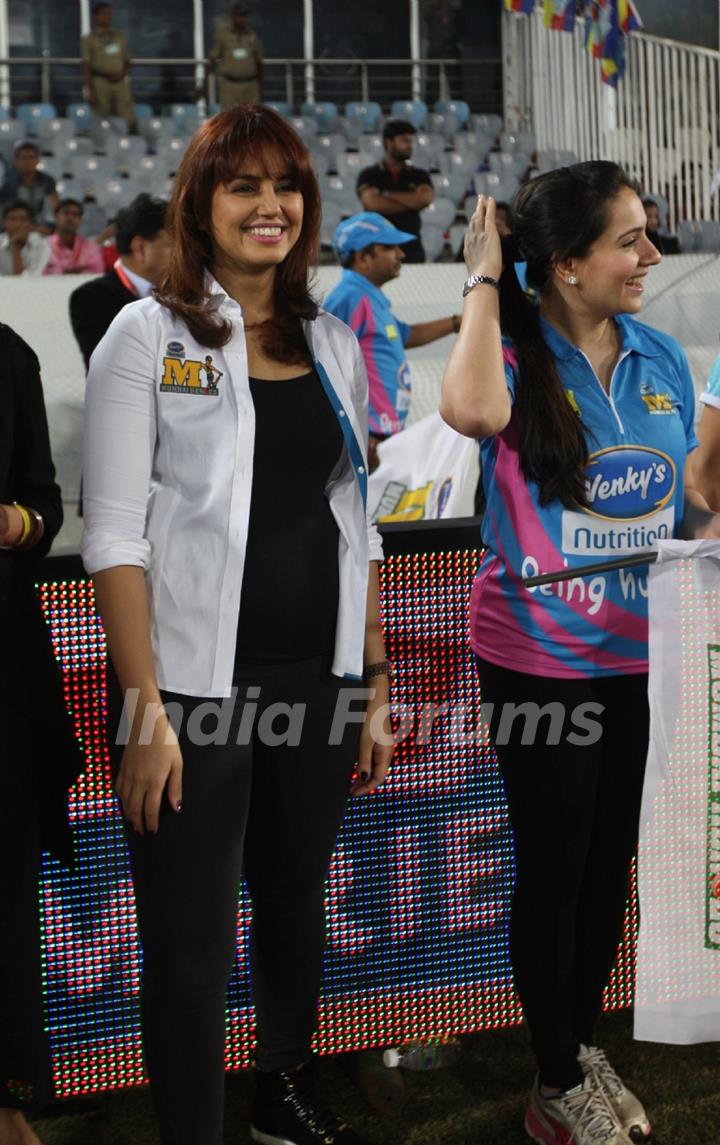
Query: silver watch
x=475, y=280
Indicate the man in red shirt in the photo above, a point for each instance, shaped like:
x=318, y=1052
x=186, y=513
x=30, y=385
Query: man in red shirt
x=70, y=252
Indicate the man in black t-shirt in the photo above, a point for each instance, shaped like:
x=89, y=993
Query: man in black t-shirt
x=396, y=189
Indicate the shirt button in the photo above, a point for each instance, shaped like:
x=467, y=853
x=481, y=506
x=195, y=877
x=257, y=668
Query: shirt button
x=341, y=412
x=360, y=469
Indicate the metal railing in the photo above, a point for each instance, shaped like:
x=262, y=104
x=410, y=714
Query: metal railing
x=161, y=81
x=661, y=123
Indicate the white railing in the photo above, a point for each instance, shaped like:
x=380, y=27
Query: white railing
x=661, y=123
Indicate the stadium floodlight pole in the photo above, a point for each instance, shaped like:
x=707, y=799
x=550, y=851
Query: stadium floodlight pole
x=309, y=46
x=415, y=49
x=647, y=557
x=5, y=98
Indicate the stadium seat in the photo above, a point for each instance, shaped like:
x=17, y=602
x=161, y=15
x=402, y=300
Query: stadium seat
x=452, y=163
x=331, y=216
x=92, y=170
x=155, y=127
x=305, y=126
x=457, y=236
x=339, y=191
x=350, y=163
x=501, y=187
x=184, y=116
x=51, y=132
x=508, y=163
x=440, y=213
x=413, y=109
x=171, y=150
x=330, y=145
x=11, y=131
x=487, y=124
x=81, y=114
x=320, y=162
x=30, y=113
x=518, y=141
x=94, y=219
x=553, y=158
x=367, y=114
x=69, y=149
x=372, y=145
x=52, y=166
x=113, y=195
x=457, y=107
x=445, y=124
x=129, y=146
x=475, y=143
x=325, y=114
x=280, y=107
x=428, y=146
x=142, y=111
x=433, y=240
x=451, y=187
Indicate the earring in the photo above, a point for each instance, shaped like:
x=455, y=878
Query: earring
x=571, y=280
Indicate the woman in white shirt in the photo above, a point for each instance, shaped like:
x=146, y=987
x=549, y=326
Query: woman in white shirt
x=232, y=561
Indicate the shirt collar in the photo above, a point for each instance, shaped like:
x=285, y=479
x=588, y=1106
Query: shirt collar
x=216, y=295
x=368, y=287
x=142, y=286
x=631, y=339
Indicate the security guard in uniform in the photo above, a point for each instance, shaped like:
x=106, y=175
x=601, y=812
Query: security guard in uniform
x=106, y=63
x=238, y=55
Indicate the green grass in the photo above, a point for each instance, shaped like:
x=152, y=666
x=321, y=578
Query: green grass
x=479, y=1101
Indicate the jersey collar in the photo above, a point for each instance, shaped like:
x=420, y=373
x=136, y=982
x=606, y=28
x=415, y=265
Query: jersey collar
x=631, y=339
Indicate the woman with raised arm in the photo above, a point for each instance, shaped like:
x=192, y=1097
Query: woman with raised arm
x=585, y=418
x=225, y=482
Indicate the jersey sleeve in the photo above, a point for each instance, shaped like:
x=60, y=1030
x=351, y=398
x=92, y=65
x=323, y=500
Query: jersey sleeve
x=711, y=394
x=404, y=329
x=511, y=367
x=368, y=177
x=687, y=400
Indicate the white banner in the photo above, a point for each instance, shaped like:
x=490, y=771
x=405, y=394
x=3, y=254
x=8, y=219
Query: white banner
x=678, y=961
x=425, y=473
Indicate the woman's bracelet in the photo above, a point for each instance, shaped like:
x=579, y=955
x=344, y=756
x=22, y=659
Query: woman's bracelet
x=33, y=526
x=382, y=668
x=456, y=320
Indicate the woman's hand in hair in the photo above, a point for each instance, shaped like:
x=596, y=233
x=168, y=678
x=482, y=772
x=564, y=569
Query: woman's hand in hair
x=483, y=253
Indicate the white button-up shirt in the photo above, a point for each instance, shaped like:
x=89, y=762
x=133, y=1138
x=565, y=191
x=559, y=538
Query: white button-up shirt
x=168, y=474
x=34, y=256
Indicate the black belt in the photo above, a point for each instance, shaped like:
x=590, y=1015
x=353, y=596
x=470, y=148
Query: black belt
x=239, y=79
x=104, y=75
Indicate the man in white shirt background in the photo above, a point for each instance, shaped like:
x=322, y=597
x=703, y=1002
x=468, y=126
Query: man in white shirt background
x=22, y=249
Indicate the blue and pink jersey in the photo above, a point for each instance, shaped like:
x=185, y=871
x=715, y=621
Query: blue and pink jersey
x=639, y=436
x=382, y=337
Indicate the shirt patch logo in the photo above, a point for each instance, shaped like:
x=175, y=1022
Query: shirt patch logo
x=175, y=350
x=570, y=394
x=184, y=376
x=658, y=403
x=391, y=330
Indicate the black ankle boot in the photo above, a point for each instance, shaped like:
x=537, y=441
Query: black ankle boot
x=287, y=1111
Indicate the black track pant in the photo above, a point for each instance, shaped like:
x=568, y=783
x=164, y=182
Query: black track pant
x=574, y=810
x=268, y=810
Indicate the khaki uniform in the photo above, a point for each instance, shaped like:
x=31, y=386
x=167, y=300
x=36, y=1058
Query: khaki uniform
x=106, y=54
x=237, y=55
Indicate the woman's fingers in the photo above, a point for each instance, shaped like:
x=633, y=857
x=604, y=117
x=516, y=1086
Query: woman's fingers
x=174, y=787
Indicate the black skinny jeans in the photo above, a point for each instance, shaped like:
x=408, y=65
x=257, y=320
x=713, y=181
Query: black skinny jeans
x=574, y=811
x=272, y=813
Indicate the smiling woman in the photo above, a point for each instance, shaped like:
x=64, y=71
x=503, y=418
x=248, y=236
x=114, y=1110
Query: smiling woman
x=231, y=560
x=586, y=421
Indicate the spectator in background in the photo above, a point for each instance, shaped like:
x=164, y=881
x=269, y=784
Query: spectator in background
x=238, y=55
x=143, y=253
x=371, y=253
x=396, y=189
x=106, y=64
x=22, y=249
x=25, y=183
x=70, y=253
x=666, y=244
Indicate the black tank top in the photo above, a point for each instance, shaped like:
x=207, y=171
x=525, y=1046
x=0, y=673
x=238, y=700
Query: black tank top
x=289, y=600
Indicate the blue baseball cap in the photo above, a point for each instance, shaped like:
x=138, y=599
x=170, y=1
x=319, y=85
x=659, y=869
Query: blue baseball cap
x=364, y=229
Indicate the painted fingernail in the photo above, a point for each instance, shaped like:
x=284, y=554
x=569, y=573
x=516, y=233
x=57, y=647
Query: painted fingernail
x=178, y=806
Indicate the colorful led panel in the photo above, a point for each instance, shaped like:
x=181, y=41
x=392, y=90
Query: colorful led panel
x=420, y=886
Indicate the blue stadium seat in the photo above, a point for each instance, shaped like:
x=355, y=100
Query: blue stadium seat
x=413, y=109
x=81, y=114
x=325, y=114
x=368, y=114
x=142, y=111
x=30, y=113
x=457, y=107
x=280, y=107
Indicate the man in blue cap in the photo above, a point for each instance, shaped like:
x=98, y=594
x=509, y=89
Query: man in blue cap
x=370, y=251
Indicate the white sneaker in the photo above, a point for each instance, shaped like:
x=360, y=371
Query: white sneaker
x=580, y=1116
x=630, y=1112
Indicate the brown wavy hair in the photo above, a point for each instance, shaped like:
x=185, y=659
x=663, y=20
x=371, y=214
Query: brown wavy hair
x=217, y=151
